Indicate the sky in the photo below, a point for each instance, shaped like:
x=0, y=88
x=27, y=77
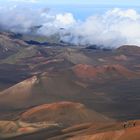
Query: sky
x=81, y=9
x=106, y=2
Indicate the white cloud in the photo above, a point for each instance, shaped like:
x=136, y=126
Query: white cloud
x=65, y=19
x=114, y=28
x=130, y=13
x=53, y=23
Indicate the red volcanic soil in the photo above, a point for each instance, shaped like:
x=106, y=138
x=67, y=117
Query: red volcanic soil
x=67, y=113
x=123, y=134
x=88, y=71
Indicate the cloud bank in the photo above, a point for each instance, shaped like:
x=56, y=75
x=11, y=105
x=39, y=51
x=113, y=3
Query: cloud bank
x=114, y=28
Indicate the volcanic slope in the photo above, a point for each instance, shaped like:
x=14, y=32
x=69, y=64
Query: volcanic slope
x=61, y=85
x=110, y=71
x=112, y=132
x=69, y=85
x=40, y=89
x=56, y=116
x=66, y=113
x=10, y=46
